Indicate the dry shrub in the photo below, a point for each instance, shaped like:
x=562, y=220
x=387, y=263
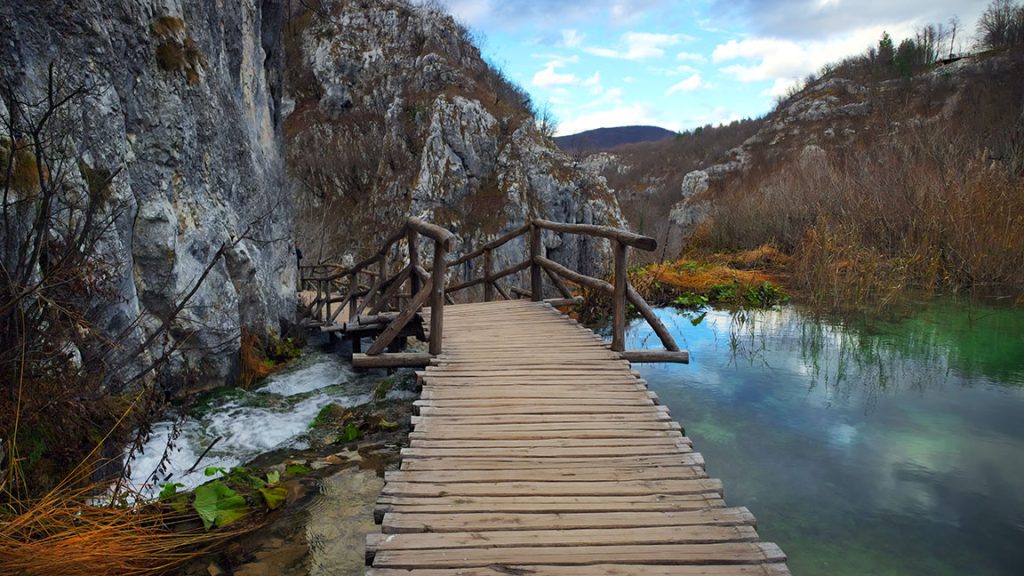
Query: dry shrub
x=62, y=534
x=692, y=276
x=927, y=209
x=253, y=362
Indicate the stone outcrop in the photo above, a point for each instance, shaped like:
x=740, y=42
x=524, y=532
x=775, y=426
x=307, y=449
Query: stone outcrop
x=429, y=129
x=180, y=105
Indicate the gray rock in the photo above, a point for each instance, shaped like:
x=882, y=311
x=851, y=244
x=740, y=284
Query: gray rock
x=184, y=108
x=695, y=182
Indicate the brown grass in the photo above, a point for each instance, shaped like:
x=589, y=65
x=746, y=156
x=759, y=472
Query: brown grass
x=67, y=532
x=253, y=363
x=933, y=206
x=61, y=534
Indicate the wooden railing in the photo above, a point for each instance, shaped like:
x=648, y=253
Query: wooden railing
x=383, y=290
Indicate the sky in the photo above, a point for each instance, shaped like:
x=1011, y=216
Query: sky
x=683, y=64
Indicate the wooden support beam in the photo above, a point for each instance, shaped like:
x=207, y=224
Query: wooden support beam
x=628, y=238
x=619, y=297
x=559, y=285
x=559, y=302
x=489, y=282
x=536, y=251
x=437, y=297
x=396, y=326
x=436, y=233
x=392, y=360
x=576, y=277
x=640, y=356
x=392, y=290
x=647, y=312
x=501, y=290
x=413, y=239
x=493, y=244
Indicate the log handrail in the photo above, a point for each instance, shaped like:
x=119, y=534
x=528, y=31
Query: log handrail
x=432, y=287
x=620, y=289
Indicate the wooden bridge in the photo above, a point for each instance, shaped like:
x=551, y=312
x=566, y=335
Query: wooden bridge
x=536, y=450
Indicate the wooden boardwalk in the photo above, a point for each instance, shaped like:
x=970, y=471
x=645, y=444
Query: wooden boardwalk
x=538, y=451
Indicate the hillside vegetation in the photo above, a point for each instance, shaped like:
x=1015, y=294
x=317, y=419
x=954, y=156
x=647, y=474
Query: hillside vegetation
x=901, y=168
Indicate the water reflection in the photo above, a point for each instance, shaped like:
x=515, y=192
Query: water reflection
x=892, y=447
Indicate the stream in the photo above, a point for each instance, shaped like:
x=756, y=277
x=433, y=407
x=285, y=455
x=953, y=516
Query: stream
x=888, y=447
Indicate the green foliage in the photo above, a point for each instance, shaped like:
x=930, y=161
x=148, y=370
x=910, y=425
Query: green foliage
x=723, y=292
x=380, y=391
x=350, y=433
x=690, y=300
x=97, y=181
x=169, y=490
x=765, y=295
x=283, y=349
x=886, y=48
x=329, y=413
x=218, y=505
x=295, y=470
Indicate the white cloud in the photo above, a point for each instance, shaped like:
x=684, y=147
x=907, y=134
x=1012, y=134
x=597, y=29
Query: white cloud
x=548, y=77
x=572, y=38
x=632, y=114
x=691, y=57
x=690, y=84
x=785, y=62
x=629, y=80
x=639, y=46
x=594, y=84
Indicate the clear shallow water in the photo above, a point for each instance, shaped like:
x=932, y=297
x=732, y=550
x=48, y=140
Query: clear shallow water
x=892, y=448
x=275, y=415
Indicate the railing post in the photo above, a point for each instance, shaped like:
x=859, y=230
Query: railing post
x=488, y=287
x=536, y=280
x=327, y=314
x=437, y=298
x=413, y=238
x=353, y=302
x=619, y=297
x=382, y=275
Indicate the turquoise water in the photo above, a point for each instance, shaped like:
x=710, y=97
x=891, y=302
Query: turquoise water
x=895, y=447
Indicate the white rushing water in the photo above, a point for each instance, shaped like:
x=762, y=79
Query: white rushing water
x=247, y=423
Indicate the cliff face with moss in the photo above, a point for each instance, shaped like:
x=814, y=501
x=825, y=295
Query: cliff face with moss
x=173, y=111
x=391, y=111
x=214, y=138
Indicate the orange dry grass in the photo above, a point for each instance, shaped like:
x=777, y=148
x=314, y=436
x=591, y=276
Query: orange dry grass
x=699, y=278
x=61, y=534
x=253, y=366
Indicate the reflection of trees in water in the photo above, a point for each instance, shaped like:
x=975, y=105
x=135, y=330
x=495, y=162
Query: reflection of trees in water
x=840, y=358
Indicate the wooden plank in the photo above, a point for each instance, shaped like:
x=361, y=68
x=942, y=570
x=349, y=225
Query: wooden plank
x=499, y=462
x=376, y=543
x=731, y=553
x=493, y=444
x=620, y=488
x=608, y=419
x=605, y=474
x=404, y=522
x=774, y=569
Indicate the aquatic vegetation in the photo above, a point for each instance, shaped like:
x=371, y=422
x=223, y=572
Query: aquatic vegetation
x=693, y=284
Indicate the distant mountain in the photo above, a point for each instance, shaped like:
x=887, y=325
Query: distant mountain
x=606, y=138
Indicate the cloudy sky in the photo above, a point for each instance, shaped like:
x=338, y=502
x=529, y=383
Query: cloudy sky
x=682, y=64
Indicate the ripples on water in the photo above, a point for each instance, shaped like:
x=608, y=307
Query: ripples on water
x=884, y=448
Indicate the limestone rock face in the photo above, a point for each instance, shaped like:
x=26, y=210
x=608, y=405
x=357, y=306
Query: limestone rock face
x=180, y=104
x=432, y=131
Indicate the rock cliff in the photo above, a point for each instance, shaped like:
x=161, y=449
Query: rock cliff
x=395, y=113
x=176, y=105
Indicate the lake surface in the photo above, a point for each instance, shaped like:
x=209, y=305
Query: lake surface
x=895, y=447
